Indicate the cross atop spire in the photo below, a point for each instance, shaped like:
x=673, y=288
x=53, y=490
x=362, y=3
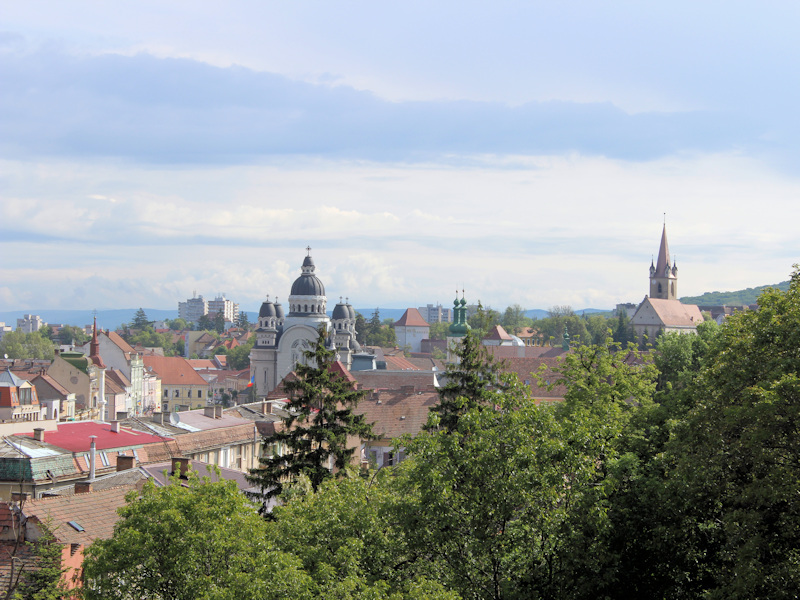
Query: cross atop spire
x=308, y=249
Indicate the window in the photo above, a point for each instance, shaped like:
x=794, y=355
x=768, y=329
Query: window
x=166, y=393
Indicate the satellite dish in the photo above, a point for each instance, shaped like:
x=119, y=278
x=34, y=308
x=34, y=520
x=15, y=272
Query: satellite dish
x=5, y=355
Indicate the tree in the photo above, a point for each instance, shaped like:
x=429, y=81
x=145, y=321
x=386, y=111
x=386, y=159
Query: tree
x=483, y=320
x=243, y=321
x=204, y=323
x=72, y=335
x=439, y=331
x=514, y=319
x=361, y=328
x=473, y=381
x=219, y=322
x=736, y=476
x=178, y=324
x=191, y=539
x=17, y=344
x=315, y=432
x=140, y=320
x=239, y=357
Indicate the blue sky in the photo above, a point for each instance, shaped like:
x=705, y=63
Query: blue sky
x=525, y=151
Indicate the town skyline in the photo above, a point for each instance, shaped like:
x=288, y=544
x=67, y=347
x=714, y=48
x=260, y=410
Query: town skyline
x=524, y=152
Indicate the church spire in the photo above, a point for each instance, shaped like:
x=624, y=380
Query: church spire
x=663, y=275
x=94, y=347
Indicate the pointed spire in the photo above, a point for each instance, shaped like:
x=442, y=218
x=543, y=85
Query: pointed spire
x=662, y=264
x=94, y=347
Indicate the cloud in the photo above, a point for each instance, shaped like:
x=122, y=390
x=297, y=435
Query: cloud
x=182, y=111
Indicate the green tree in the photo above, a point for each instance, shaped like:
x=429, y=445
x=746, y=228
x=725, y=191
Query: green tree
x=737, y=474
x=473, y=382
x=439, y=331
x=72, y=335
x=205, y=323
x=361, y=328
x=315, y=432
x=140, y=320
x=178, y=324
x=239, y=357
x=189, y=540
x=483, y=320
x=26, y=345
x=219, y=322
x=514, y=319
x=243, y=321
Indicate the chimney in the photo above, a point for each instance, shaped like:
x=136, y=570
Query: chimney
x=115, y=426
x=209, y=411
x=125, y=463
x=92, y=456
x=19, y=496
x=218, y=411
x=38, y=434
x=180, y=467
x=266, y=407
x=83, y=487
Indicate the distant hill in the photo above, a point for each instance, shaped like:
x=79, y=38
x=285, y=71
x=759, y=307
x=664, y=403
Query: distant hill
x=738, y=298
x=106, y=319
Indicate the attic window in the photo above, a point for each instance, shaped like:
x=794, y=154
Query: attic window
x=75, y=526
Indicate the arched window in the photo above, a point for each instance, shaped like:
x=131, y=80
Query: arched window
x=305, y=308
x=659, y=288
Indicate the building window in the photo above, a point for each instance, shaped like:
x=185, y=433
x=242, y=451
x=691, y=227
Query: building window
x=166, y=393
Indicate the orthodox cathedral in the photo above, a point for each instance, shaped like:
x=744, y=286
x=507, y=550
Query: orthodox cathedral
x=281, y=340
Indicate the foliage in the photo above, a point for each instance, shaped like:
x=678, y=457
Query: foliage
x=379, y=333
x=439, y=331
x=17, y=344
x=178, y=324
x=243, y=321
x=361, y=328
x=483, y=320
x=473, y=381
x=150, y=338
x=219, y=322
x=239, y=357
x=514, y=319
x=735, y=455
x=315, y=433
x=44, y=581
x=69, y=334
x=217, y=548
x=204, y=323
x=140, y=320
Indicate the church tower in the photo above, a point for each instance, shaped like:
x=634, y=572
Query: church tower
x=663, y=277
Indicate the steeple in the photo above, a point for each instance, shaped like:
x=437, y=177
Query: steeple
x=94, y=348
x=663, y=277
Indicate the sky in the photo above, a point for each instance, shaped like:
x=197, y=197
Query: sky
x=525, y=152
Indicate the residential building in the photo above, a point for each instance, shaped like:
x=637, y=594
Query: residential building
x=4, y=329
x=30, y=323
x=181, y=386
x=191, y=310
x=18, y=399
x=228, y=309
x=436, y=313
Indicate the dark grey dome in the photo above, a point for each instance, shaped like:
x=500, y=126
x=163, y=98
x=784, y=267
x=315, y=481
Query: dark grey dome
x=267, y=310
x=340, y=312
x=279, y=311
x=351, y=311
x=308, y=284
x=308, y=262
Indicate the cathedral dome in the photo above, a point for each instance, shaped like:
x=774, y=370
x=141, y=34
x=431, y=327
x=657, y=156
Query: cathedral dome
x=308, y=284
x=267, y=310
x=340, y=312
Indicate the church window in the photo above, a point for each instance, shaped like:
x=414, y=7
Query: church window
x=305, y=308
x=659, y=288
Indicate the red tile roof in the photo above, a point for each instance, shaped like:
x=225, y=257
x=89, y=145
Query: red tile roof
x=121, y=343
x=394, y=414
x=399, y=363
x=498, y=333
x=411, y=318
x=173, y=370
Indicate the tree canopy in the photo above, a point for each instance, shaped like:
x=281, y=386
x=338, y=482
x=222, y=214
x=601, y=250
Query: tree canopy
x=321, y=430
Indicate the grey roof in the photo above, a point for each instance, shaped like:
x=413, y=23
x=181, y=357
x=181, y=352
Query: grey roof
x=308, y=284
x=267, y=310
x=7, y=378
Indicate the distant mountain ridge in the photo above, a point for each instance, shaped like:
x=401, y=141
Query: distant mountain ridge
x=738, y=298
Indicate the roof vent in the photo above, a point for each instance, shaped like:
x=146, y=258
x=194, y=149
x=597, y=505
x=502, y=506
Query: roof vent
x=75, y=526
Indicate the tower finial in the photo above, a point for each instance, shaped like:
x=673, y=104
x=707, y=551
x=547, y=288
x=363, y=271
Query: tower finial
x=308, y=249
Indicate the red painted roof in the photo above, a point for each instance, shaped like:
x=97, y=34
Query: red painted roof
x=411, y=318
x=173, y=370
x=75, y=436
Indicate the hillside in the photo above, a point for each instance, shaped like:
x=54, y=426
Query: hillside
x=737, y=298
